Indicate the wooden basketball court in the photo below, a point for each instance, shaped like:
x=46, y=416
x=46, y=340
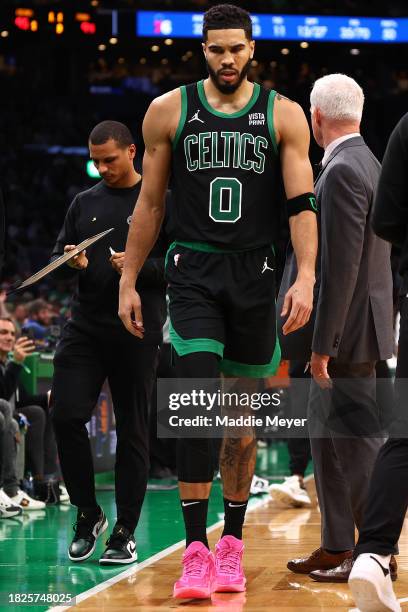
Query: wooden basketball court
x=272, y=536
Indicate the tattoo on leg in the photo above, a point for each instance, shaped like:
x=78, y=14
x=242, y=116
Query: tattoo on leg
x=237, y=464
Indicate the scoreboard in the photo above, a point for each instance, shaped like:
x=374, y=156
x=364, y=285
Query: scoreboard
x=281, y=27
x=53, y=20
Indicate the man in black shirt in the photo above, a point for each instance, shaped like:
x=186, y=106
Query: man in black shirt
x=95, y=346
x=387, y=501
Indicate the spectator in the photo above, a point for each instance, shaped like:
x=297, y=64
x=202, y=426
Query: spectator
x=9, y=438
x=19, y=315
x=39, y=319
x=12, y=356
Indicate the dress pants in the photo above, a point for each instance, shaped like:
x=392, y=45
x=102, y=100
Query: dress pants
x=343, y=462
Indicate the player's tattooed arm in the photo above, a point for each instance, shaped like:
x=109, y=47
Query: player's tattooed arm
x=281, y=97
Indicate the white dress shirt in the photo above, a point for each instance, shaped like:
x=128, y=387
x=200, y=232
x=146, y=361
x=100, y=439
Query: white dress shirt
x=334, y=143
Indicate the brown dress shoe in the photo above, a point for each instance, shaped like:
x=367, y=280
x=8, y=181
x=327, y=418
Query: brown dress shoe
x=342, y=572
x=318, y=560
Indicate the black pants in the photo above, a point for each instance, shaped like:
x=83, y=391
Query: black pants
x=162, y=450
x=82, y=363
x=299, y=448
x=388, y=494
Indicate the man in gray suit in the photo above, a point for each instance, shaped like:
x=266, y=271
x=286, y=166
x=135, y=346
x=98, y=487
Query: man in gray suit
x=352, y=326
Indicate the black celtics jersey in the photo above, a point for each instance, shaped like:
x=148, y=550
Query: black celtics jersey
x=226, y=179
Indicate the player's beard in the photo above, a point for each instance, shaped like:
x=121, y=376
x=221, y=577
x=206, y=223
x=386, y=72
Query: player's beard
x=228, y=88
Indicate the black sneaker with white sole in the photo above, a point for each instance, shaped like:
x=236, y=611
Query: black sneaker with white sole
x=88, y=529
x=120, y=547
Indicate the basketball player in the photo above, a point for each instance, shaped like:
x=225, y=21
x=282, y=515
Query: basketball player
x=224, y=142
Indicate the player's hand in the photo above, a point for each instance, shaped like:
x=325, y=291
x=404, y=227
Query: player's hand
x=80, y=261
x=299, y=304
x=22, y=348
x=130, y=310
x=117, y=260
x=318, y=368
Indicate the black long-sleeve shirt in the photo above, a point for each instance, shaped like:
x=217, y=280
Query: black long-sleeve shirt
x=390, y=212
x=96, y=300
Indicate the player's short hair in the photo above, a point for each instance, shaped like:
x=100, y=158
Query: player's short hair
x=114, y=130
x=227, y=17
x=338, y=97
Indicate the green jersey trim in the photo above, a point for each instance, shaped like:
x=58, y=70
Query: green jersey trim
x=234, y=368
x=271, y=127
x=240, y=113
x=183, y=115
x=194, y=345
x=206, y=247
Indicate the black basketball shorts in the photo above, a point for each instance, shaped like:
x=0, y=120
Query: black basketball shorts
x=223, y=302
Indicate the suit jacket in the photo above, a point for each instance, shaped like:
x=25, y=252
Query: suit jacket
x=352, y=318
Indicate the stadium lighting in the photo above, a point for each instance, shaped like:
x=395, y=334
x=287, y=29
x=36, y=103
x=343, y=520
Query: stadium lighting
x=88, y=27
x=82, y=17
x=4, y=34
x=22, y=12
x=22, y=23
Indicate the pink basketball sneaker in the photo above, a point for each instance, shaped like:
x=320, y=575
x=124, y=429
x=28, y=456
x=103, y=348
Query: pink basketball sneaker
x=198, y=573
x=229, y=573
